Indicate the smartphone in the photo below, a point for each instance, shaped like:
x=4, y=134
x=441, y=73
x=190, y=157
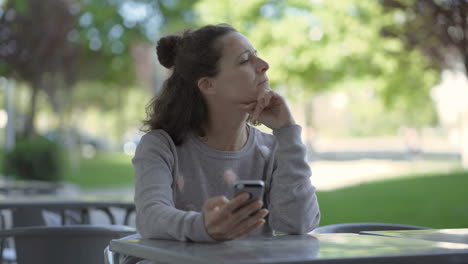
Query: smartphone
x=253, y=187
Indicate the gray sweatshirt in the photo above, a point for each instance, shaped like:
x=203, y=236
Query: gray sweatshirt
x=172, y=183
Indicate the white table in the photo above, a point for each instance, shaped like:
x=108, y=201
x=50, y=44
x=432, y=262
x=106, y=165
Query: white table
x=316, y=248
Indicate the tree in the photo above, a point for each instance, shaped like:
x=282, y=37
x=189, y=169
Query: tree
x=35, y=48
x=436, y=27
x=439, y=30
x=53, y=44
x=323, y=45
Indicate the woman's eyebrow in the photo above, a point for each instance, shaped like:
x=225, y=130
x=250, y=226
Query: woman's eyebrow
x=248, y=51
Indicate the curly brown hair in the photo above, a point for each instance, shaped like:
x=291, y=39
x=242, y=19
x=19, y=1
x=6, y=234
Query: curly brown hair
x=180, y=107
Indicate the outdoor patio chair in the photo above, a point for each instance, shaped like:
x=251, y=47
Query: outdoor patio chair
x=72, y=244
x=358, y=227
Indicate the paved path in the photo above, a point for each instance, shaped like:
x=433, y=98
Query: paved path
x=331, y=175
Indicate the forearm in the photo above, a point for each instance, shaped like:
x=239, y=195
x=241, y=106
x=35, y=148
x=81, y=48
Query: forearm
x=163, y=222
x=293, y=203
x=156, y=215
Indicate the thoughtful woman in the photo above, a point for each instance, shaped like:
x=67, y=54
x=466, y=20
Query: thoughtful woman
x=199, y=141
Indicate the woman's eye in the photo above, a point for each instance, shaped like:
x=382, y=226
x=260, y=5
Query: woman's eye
x=244, y=61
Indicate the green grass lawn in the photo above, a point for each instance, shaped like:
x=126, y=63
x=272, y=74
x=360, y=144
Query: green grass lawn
x=437, y=200
x=433, y=200
x=105, y=170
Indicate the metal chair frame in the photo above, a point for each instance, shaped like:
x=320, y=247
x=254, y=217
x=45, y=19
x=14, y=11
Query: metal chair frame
x=358, y=227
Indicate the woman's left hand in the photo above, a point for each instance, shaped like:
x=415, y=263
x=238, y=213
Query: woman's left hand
x=270, y=109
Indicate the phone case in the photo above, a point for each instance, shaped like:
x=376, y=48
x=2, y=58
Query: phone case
x=253, y=187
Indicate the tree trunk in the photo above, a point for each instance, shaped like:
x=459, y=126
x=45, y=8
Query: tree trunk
x=464, y=124
x=29, y=127
x=464, y=137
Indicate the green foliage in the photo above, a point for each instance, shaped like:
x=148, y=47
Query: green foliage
x=21, y=6
x=311, y=46
x=108, y=115
x=369, y=116
x=93, y=41
x=34, y=158
x=367, y=113
x=434, y=200
x=4, y=69
x=110, y=29
x=324, y=45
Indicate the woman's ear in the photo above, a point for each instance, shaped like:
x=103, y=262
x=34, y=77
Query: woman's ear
x=206, y=86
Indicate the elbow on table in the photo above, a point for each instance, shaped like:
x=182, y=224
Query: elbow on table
x=147, y=228
x=314, y=223
x=143, y=228
x=299, y=227
x=309, y=225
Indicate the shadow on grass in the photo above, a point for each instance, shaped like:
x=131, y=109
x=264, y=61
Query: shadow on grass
x=432, y=200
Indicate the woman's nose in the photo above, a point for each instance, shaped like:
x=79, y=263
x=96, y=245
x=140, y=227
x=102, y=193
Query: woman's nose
x=263, y=66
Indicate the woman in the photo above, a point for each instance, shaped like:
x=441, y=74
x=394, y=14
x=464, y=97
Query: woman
x=199, y=142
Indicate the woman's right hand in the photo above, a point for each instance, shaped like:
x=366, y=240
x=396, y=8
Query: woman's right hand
x=224, y=222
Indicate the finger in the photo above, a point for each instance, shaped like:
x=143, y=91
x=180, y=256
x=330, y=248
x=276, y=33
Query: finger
x=261, y=94
x=268, y=97
x=213, y=210
x=248, y=107
x=247, y=223
x=235, y=202
x=258, y=110
x=248, y=209
x=277, y=99
x=225, y=217
x=218, y=201
x=263, y=99
x=247, y=230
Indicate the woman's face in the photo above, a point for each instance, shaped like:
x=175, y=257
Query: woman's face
x=242, y=73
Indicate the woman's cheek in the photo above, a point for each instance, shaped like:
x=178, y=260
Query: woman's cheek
x=249, y=96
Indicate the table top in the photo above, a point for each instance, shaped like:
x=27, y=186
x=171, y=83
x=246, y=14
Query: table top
x=65, y=201
x=459, y=235
x=315, y=248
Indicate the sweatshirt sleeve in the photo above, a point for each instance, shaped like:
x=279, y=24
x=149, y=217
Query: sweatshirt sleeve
x=293, y=203
x=156, y=215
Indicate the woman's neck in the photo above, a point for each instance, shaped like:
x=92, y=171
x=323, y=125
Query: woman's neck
x=226, y=134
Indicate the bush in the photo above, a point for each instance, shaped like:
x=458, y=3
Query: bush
x=35, y=158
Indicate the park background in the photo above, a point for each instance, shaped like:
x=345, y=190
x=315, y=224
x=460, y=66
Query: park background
x=379, y=87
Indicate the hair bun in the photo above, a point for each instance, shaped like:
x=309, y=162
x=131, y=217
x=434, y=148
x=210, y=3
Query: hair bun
x=166, y=50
